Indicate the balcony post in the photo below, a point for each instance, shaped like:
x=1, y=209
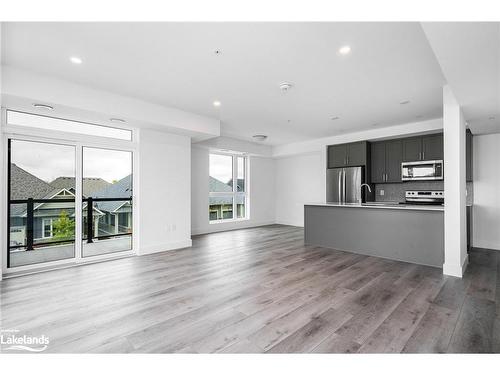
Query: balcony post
x=29, y=224
x=90, y=217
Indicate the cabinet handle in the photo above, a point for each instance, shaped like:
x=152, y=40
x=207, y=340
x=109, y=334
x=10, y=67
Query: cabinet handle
x=423, y=155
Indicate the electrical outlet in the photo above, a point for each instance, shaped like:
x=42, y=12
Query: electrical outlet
x=381, y=192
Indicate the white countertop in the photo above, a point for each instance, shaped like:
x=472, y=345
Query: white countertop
x=414, y=207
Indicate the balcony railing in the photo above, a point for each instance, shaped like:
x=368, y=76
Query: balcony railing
x=30, y=209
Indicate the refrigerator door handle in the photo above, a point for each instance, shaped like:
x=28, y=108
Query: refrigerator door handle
x=340, y=186
x=343, y=187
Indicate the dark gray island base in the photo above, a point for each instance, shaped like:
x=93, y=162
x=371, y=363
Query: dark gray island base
x=414, y=235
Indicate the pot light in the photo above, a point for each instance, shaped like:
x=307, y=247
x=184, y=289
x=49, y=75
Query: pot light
x=114, y=119
x=216, y=103
x=43, y=106
x=491, y=118
x=285, y=86
x=403, y=102
x=75, y=60
x=259, y=137
x=335, y=118
x=345, y=50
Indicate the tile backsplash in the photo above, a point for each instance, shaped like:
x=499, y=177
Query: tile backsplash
x=396, y=192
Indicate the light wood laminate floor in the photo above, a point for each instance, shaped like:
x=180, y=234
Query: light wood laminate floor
x=258, y=290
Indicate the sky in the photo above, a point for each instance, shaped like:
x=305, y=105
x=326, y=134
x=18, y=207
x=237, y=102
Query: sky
x=48, y=161
x=221, y=167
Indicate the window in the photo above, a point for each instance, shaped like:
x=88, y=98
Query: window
x=47, y=228
x=68, y=126
x=227, y=187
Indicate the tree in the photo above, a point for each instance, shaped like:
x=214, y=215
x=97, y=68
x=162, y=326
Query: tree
x=63, y=227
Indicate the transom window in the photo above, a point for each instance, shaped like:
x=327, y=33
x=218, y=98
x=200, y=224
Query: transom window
x=227, y=187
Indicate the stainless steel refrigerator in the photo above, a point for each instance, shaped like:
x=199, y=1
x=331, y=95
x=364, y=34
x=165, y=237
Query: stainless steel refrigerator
x=343, y=185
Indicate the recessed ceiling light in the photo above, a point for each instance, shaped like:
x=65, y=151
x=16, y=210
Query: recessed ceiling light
x=75, y=60
x=285, y=86
x=403, y=102
x=345, y=50
x=114, y=119
x=216, y=103
x=335, y=118
x=217, y=51
x=491, y=118
x=288, y=120
x=43, y=106
x=259, y=137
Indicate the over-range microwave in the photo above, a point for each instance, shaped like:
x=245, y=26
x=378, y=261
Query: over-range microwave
x=422, y=170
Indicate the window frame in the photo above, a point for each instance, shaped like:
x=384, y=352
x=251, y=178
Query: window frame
x=44, y=220
x=235, y=193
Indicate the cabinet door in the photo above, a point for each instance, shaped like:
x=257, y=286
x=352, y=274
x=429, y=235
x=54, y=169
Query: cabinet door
x=393, y=159
x=337, y=156
x=468, y=156
x=412, y=149
x=432, y=147
x=356, y=154
x=378, y=162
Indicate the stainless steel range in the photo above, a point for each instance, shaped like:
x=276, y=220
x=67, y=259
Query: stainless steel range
x=424, y=197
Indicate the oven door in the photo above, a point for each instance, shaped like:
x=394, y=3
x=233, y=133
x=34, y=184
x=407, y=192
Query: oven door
x=422, y=170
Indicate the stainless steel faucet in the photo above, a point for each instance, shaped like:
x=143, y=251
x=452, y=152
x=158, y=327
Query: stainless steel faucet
x=368, y=186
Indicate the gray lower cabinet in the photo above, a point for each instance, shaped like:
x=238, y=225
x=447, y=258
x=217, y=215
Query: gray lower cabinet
x=386, y=160
x=414, y=236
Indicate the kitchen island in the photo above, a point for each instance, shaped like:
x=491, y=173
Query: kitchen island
x=409, y=233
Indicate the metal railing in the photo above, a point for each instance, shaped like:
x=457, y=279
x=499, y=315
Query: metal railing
x=30, y=208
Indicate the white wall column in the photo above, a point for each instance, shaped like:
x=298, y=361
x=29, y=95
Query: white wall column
x=455, y=235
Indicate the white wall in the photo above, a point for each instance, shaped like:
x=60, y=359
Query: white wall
x=164, y=191
x=486, y=217
x=261, y=193
x=299, y=180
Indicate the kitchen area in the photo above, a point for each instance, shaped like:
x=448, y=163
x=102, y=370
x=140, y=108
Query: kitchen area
x=386, y=198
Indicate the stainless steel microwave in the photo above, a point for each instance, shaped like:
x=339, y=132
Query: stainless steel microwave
x=422, y=170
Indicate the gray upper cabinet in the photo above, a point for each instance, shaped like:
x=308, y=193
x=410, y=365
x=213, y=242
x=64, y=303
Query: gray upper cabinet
x=378, y=162
x=432, y=147
x=427, y=147
x=468, y=156
x=347, y=155
x=356, y=154
x=386, y=160
x=393, y=159
x=412, y=149
x=337, y=156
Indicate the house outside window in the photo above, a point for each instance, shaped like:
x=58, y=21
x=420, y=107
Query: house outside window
x=228, y=190
x=47, y=228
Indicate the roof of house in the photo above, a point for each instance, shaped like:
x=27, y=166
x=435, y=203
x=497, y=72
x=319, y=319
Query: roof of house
x=120, y=189
x=24, y=185
x=90, y=184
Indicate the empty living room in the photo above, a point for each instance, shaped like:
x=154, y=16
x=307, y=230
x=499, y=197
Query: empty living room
x=293, y=186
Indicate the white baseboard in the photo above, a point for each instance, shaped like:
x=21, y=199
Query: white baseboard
x=222, y=227
x=293, y=224
x=164, y=247
x=455, y=270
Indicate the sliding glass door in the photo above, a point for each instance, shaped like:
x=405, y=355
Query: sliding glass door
x=107, y=201
x=62, y=207
x=41, y=202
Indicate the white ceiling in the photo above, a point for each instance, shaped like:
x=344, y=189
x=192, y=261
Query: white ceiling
x=469, y=56
x=174, y=64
